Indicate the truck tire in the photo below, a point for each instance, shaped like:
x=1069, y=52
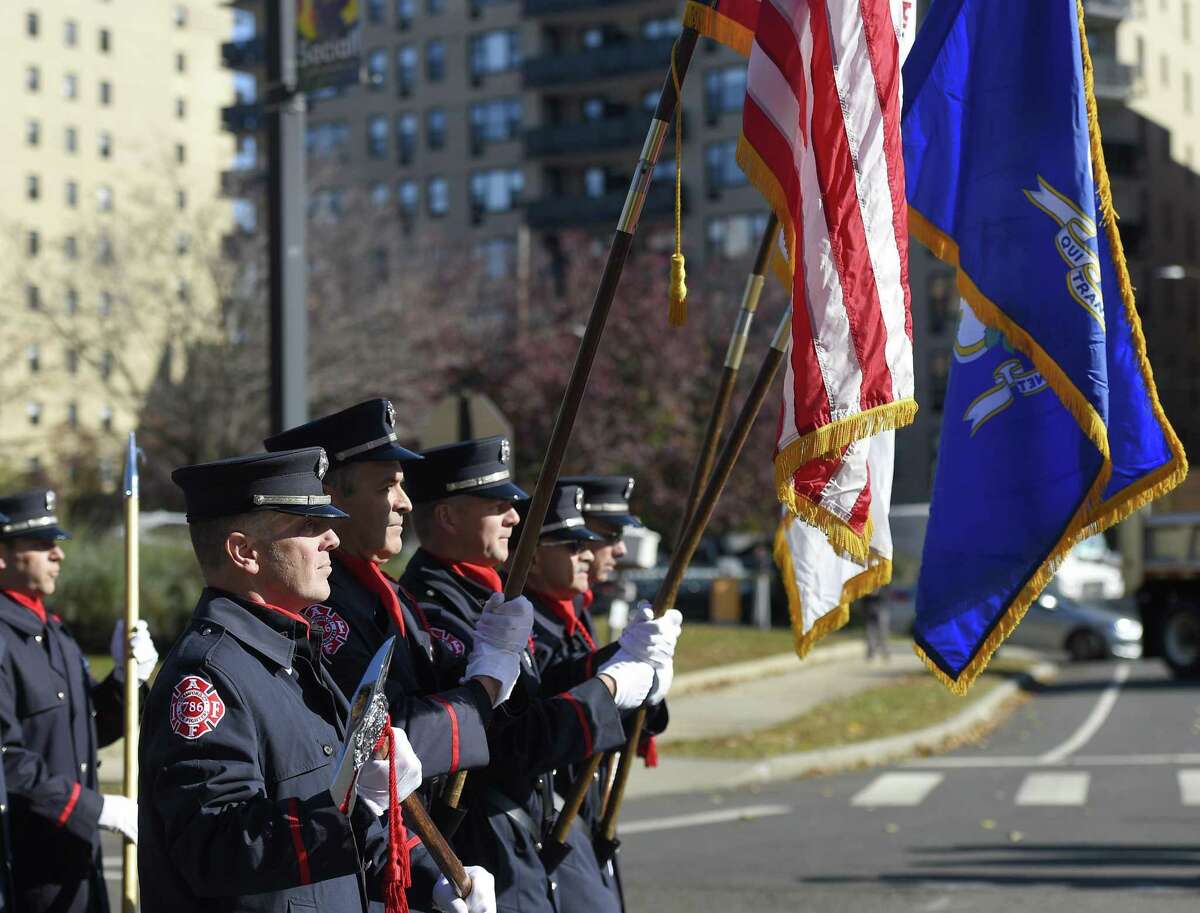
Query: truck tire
x=1179, y=642
x=1084, y=645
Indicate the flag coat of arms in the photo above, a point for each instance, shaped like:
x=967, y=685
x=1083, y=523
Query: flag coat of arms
x=821, y=141
x=1052, y=428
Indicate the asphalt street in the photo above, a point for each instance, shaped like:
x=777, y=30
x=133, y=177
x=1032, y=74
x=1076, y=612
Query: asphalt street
x=1088, y=798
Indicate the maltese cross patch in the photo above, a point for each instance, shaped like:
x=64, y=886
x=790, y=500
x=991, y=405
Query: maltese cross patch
x=196, y=708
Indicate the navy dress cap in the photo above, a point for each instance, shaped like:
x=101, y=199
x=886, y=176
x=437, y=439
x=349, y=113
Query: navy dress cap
x=564, y=521
x=288, y=482
x=31, y=515
x=366, y=432
x=481, y=467
x=606, y=498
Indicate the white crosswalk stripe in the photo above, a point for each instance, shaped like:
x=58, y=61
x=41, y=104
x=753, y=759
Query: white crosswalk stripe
x=1189, y=787
x=897, y=789
x=1054, y=789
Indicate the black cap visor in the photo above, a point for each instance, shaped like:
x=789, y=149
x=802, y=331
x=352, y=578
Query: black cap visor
x=328, y=511
x=569, y=536
x=389, y=451
x=504, y=491
x=50, y=533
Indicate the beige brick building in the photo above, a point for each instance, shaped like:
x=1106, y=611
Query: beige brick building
x=111, y=137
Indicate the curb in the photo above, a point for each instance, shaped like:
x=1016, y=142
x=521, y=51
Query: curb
x=713, y=775
x=754, y=669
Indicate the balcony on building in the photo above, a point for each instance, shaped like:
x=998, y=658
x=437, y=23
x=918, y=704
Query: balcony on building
x=247, y=54
x=563, y=211
x=619, y=58
x=243, y=118
x=1107, y=11
x=1113, y=81
x=555, y=7
x=581, y=137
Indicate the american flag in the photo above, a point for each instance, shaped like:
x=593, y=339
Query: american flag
x=821, y=141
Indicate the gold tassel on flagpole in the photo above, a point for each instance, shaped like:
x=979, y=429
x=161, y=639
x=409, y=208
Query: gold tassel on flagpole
x=677, y=315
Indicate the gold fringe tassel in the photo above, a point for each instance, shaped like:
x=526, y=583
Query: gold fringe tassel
x=708, y=22
x=677, y=296
x=1094, y=514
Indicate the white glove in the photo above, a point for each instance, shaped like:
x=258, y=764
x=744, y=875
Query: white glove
x=482, y=898
x=144, y=653
x=373, y=786
x=120, y=814
x=650, y=639
x=501, y=633
x=632, y=677
x=663, y=676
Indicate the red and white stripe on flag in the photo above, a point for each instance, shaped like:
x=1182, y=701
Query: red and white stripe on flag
x=821, y=140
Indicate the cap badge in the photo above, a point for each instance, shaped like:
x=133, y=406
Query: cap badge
x=629, y=489
x=322, y=465
x=579, y=499
x=50, y=500
x=391, y=413
x=504, y=451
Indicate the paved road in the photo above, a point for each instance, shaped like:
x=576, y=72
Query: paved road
x=1087, y=799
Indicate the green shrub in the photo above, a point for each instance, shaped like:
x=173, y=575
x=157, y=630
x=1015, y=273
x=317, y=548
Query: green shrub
x=91, y=590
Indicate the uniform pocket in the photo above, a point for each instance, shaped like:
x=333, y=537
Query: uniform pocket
x=301, y=906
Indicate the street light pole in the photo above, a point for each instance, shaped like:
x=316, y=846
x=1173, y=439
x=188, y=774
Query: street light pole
x=287, y=210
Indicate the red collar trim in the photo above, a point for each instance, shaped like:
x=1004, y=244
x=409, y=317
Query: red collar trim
x=477, y=573
x=371, y=576
x=287, y=613
x=588, y=598
x=34, y=605
x=564, y=610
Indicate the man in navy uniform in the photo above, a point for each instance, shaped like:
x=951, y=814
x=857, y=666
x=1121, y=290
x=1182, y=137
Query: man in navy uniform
x=560, y=574
x=463, y=498
x=53, y=719
x=244, y=722
x=5, y=840
x=445, y=720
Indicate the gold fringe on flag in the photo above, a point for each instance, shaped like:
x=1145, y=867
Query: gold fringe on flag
x=677, y=315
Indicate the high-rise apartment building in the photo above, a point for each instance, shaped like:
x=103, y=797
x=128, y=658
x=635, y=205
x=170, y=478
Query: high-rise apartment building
x=111, y=138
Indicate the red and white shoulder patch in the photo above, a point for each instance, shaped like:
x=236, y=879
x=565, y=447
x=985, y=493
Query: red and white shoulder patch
x=453, y=645
x=196, y=708
x=330, y=625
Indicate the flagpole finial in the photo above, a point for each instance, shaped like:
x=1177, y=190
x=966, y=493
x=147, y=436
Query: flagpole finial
x=677, y=296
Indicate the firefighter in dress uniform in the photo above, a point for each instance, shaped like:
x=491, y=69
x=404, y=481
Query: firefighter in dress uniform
x=244, y=722
x=53, y=719
x=463, y=498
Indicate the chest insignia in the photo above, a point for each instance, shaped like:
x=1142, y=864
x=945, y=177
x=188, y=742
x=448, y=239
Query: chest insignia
x=331, y=626
x=452, y=644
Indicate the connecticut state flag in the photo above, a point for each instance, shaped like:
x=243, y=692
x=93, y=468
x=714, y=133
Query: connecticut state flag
x=1052, y=429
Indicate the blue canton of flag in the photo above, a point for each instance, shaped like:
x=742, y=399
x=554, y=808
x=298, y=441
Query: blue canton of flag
x=1052, y=430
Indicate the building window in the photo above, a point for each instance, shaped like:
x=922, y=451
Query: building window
x=106, y=418
x=33, y=411
x=406, y=10
x=104, y=304
x=375, y=11
x=104, y=41
x=180, y=62
x=106, y=92
x=498, y=257
x=104, y=145
x=33, y=358
x=435, y=7
x=406, y=137
x=183, y=243
x=33, y=297
x=71, y=194
x=71, y=247
x=435, y=60
x=720, y=166
x=180, y=108
x=495, y=52
x=329, y=140
x=435, y=128
x=377, y=136
x=71, y=302
x=660, y=27
x=595, y=182
x=71, y=140
x=1164, y=70
x=70, y=85
x=408, y=195
x=33, y=132
x=724, y=90
x=180, y=153
x=33, y=187
x=104, y=198
x=381, y=195
x=70, y=33
x=181, y=16
x=32, y=26
x=72, y=413
x=496, y=190
x=593, y=38
x=377, y=70
x=181, y=200
x=496, y=121
x=104, y=250
x=33, y=244
x=33, y=79
x=438, y=196
x=406, y=69
x=734, y=236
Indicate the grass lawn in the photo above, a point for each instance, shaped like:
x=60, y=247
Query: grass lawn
x=704, y=646
x=908, y=704
x=101, y=665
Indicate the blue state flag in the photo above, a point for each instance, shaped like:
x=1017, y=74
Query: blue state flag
x=1052, y=429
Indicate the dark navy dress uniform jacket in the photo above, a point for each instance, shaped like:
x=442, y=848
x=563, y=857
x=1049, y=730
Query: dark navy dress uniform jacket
x=239, y=738
x=547, y=723
x=53, y=718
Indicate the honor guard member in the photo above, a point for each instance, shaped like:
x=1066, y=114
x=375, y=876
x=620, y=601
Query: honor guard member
x=244, y=723
x=463, y=498
x=445, y=720
x=53, y=719
x=6, y=903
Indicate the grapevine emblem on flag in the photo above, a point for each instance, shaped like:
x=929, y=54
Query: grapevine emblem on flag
x=196, y=708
